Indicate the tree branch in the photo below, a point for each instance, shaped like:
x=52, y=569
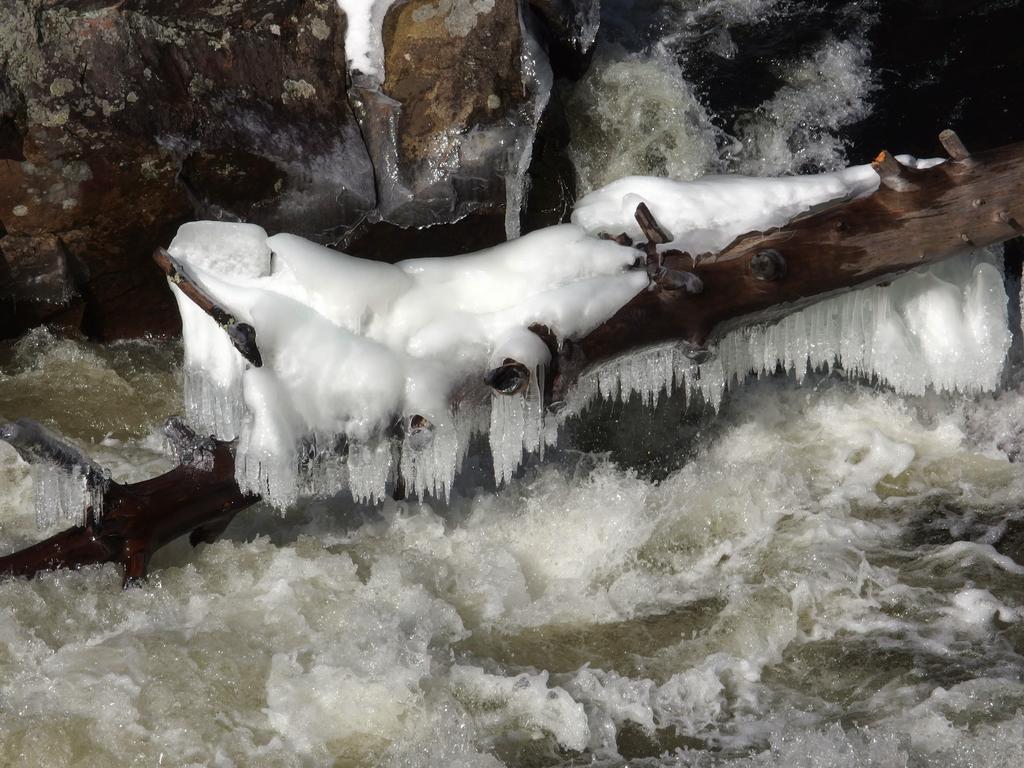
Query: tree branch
x=915, y=217
x=198, y=497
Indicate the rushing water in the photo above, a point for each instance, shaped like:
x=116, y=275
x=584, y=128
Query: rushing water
x=822, y=575
x=817, y=575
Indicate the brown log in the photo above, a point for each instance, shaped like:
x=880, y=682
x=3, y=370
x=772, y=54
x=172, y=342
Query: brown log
x=920, y=217
x=199, y=497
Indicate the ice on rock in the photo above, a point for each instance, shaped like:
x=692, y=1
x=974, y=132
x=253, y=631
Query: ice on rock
x=537, y=79
x=364, y=46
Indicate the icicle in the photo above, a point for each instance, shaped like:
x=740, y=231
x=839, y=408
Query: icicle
x=506, y=435
x=517, y=427
x=60, y=494
x=369, y=467
x=537, y=79
x=322, y=467
x=942, y=326
x=432, y=469
x=213, y=374
x=66, y=482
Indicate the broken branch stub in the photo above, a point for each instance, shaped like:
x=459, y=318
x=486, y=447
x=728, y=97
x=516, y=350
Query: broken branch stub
x=242, y=335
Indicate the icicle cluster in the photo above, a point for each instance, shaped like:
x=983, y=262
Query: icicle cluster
x=354, y=349
x=62, y=494
x=66, y=482
x=942, y=326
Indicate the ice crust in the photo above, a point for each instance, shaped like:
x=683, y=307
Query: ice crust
x=353, y=349
x=353, y=346
x=364, y=47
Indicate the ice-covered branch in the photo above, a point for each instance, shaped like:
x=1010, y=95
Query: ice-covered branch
x=917, y=216
x=487, y=342
x=199, y=498
x=375, y=376
x=241, y=335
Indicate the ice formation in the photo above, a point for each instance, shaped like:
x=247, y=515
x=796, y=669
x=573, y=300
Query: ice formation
x=366, y=364
x=364, y=47
x=943, y=326
x=353, y=349
x=66, y=482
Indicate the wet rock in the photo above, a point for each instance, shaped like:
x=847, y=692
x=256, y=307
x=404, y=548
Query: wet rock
x=118, y=122
x=571, y=28
x=456, y=112
x=144, y=114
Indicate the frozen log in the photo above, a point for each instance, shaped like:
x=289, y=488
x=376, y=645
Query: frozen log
x=915, y=217
x=931, y=214
x=199, y=498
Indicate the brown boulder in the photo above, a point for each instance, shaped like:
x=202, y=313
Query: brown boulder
x=137, y=116
x=119, y=121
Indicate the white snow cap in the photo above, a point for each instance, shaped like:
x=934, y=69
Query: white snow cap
x=353, y=347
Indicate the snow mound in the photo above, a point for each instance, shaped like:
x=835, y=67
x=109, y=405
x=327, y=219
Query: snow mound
x=351, y=347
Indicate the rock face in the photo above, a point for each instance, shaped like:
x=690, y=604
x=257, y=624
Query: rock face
x=119, y=121
x=138, y=116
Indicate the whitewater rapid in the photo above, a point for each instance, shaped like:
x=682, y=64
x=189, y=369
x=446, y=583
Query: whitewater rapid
x=826, y=575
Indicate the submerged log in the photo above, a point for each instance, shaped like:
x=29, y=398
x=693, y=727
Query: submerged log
x=915, y=217
x=199, y=497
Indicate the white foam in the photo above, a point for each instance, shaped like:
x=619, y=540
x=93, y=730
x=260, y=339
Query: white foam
x=741, y=605
x=637, y=115
x=524, y=702
x=800, y=127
